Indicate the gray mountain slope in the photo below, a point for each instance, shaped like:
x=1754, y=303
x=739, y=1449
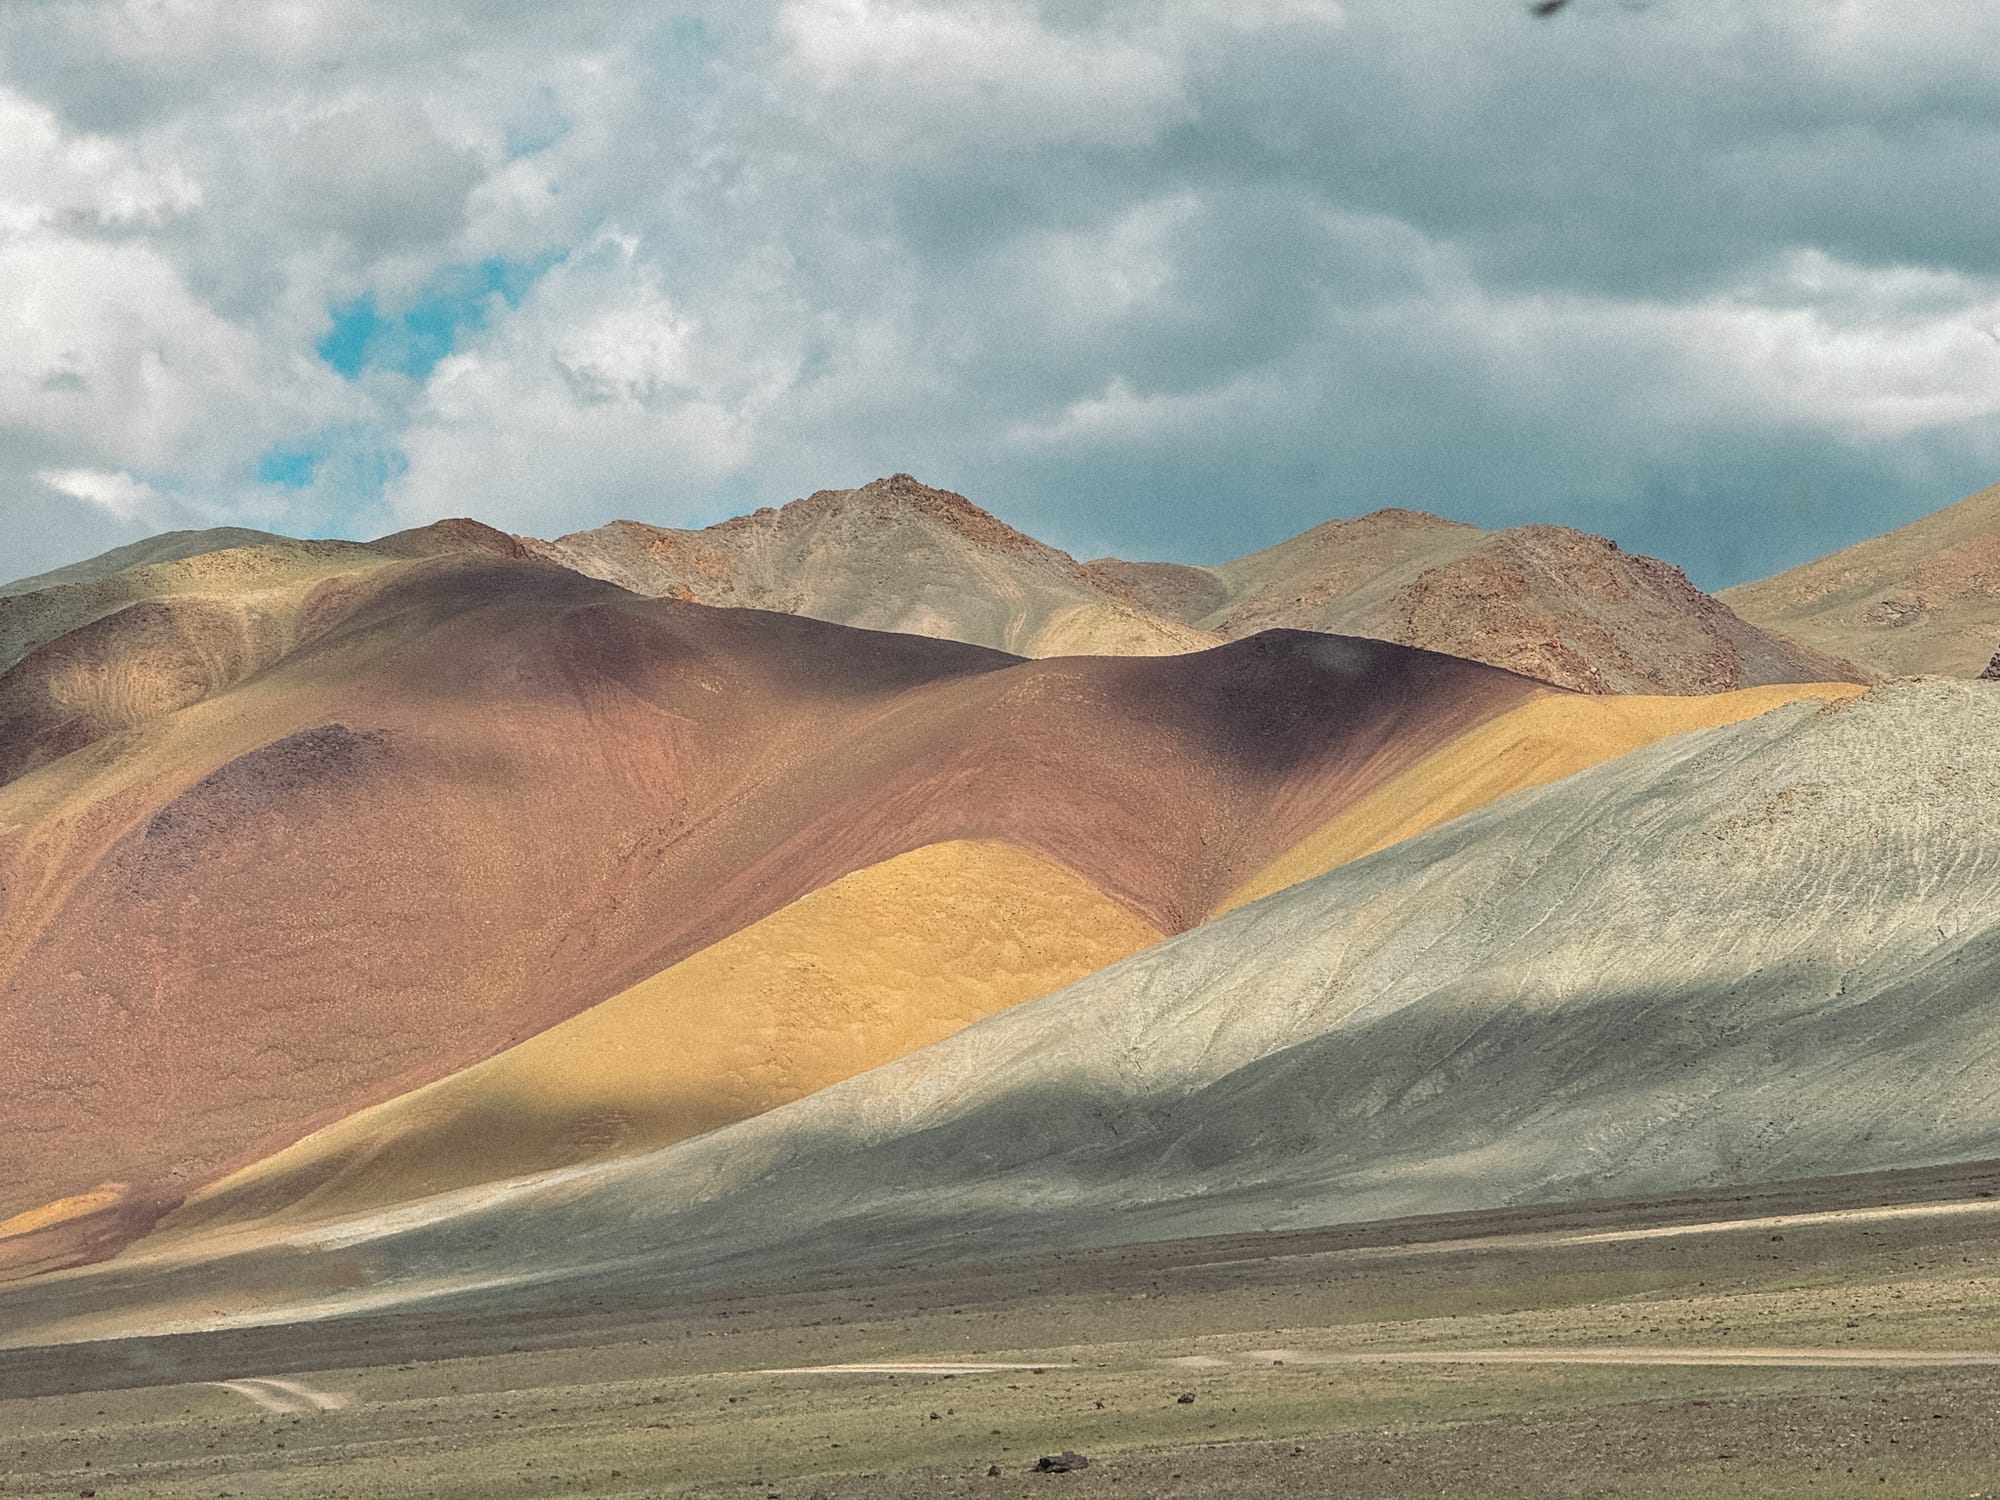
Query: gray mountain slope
x=1761, y=951
x=1766, y=950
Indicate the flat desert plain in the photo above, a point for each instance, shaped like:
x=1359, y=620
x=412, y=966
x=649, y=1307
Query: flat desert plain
x=1829, y=1338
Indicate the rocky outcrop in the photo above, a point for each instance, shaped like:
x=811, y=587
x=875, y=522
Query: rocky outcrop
x=1552, y=602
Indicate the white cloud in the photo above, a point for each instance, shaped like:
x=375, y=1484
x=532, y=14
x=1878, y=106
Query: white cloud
x=1860, y=354
x=107, y=353
x=601, y=385
x=53, y=179
x=1123, y=418
x=1108, y=272
x=636, y=350
x=118, y=494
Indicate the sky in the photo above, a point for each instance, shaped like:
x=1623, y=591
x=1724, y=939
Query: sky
x=1168, y=279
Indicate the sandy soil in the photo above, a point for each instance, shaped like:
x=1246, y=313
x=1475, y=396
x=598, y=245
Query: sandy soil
x=880, y=962
x=1478, y=1355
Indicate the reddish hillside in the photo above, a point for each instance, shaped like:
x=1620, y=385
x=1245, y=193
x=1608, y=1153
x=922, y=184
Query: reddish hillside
x=483, y=794
x=1548, y=601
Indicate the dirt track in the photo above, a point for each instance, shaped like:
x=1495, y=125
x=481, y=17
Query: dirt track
x=1752, y=1358
x=1517, y=1352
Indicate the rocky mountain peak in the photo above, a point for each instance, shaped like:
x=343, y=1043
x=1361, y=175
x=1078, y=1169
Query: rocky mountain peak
x=453, y=534
x=904, y=497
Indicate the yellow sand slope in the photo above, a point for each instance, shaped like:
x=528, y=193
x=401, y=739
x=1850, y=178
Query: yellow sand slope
x=63, y=1210
x=880, y=962
x=1539, y=742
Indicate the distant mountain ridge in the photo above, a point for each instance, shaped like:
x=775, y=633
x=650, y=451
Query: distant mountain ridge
x=1549, y=602
x=1924, y=598
x=895, y=554
x=1546, y=601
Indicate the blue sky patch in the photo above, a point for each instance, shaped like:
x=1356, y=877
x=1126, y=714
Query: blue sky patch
x=291, y=467
x=331, y=482
x=412, y=341
x=354, y=326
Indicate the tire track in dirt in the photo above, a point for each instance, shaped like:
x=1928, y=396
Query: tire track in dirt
x=285, y=1397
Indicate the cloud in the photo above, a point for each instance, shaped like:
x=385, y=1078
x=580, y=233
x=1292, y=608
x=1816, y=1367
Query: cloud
x=50, y=178
x=117, y=494
x=1170, y=277
x=892, y=78
x=602, y=386
x=107, y=353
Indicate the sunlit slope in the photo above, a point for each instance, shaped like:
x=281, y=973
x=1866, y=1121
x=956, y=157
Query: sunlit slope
x=877, y=964
x=167, y=546
x=1764, y=950
x=1537, y=743
x=492, y=793
x=118, y=641
x=1922, y=598
x=256, y=577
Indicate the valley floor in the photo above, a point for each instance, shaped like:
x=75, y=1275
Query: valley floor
x=1783, y=1342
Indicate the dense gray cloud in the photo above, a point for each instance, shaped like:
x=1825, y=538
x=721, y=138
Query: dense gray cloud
x=1171, y=278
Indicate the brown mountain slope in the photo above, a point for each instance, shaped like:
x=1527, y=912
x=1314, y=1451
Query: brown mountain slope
x=892, y=555
x=492, y=793
x=859, y=972
x=168, y=546
x=1546, y=601
x=1922, y=598
x=111, y=648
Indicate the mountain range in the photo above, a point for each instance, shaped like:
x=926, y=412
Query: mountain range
x=457, y=911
